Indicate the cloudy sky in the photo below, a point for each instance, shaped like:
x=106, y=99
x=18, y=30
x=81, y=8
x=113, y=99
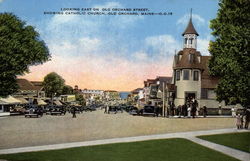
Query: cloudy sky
x=115, y=52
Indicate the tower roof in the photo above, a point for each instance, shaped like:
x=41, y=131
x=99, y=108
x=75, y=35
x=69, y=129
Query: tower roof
x=190, y=29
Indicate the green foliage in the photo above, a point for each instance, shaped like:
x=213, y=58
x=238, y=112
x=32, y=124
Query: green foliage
x=153, y=150
x=67, y=89
x=20, y=47
x=230, y=51
x=80, y=99
x=53, y=84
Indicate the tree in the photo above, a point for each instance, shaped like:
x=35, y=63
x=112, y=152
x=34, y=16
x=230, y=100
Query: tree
x=67, y=89
x=230, y=59
x=80, y=99
x=53, y=84
x=20, y=48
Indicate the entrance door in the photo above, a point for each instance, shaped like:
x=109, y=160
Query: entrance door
x=189, y=96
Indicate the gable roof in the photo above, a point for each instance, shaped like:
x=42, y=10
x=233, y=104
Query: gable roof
x=24, y=84
x=37, y=84
x=207, y=81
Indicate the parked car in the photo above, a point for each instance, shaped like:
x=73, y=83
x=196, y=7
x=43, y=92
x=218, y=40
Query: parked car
x=133, y=111
x=119, y=108
x=148, y=110
x=112, y=109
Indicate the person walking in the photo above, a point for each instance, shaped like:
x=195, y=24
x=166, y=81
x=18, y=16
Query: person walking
x=241, y=121
x=179, y=111
x=247, y=118
x=106, y=109
x=204, y=111
x=189, y=111
x=74, y=112
x=184, y=109
x=194, y=108
x=219, y=110
x=233, y=110
x=238, y=121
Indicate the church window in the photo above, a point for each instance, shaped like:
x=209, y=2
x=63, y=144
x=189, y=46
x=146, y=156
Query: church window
x=191, y=41
x=196, y=75
x=191, y=58
x=186, y=40
x=185, y=74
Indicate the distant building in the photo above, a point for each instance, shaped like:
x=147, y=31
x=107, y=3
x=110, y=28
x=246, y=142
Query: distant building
x=111, y=95
x=69, y=98
x=30, y=88
x=153, y=90
x=91, y=93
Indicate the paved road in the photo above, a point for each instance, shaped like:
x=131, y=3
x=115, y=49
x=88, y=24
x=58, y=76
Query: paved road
x=18, y=131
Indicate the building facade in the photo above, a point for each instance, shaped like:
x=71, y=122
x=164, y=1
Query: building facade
x=191, y=79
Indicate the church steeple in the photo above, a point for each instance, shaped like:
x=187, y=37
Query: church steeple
x=190, y=35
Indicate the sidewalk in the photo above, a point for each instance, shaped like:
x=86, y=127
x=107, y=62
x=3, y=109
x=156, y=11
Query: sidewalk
x=187, y=135
x=244, y=156
x=3, y=114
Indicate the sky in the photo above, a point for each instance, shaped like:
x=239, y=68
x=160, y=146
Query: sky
x=112, y=52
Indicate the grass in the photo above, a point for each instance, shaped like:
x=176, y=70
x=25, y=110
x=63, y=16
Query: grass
x=240, y=141
x=153, y=150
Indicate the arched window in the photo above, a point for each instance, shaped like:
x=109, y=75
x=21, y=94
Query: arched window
x=191, y=40
x=186, y=40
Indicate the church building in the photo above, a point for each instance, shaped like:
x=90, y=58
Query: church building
x=191, y=77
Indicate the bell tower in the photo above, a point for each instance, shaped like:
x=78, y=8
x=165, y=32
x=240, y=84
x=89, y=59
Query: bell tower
x=190, y=35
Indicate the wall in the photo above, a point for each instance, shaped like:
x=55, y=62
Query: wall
x=187, y=86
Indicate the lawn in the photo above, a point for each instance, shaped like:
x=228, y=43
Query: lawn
x=240, y=141
x=153, y=150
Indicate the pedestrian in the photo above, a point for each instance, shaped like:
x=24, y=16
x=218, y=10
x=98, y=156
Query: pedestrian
x=184, y=109
x=179, y=111
x=189, y=111
x=106, y=109
x=233, y=110
x=247, y=118
x=220, y=110
x=238, y=121
x=172, y=109
x=241, y=121
x=204, y=111
x=194, y=108
x=156, y=110
x=74, y=112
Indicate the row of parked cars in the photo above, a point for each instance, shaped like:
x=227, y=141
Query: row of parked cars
x=33, y=110
x=147, y=110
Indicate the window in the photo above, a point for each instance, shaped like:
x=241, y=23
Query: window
x=177, y=75
x=191, y=58
x=185, y=74
x=196, y=75
x=204, y=93
x=190, y=40
x=186, y=40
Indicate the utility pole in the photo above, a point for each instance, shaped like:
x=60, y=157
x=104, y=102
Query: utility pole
x=163, y=99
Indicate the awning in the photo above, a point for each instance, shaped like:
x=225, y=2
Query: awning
x=58, y=103
x=41, y=102
x=23, y=100
x=9, y=101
